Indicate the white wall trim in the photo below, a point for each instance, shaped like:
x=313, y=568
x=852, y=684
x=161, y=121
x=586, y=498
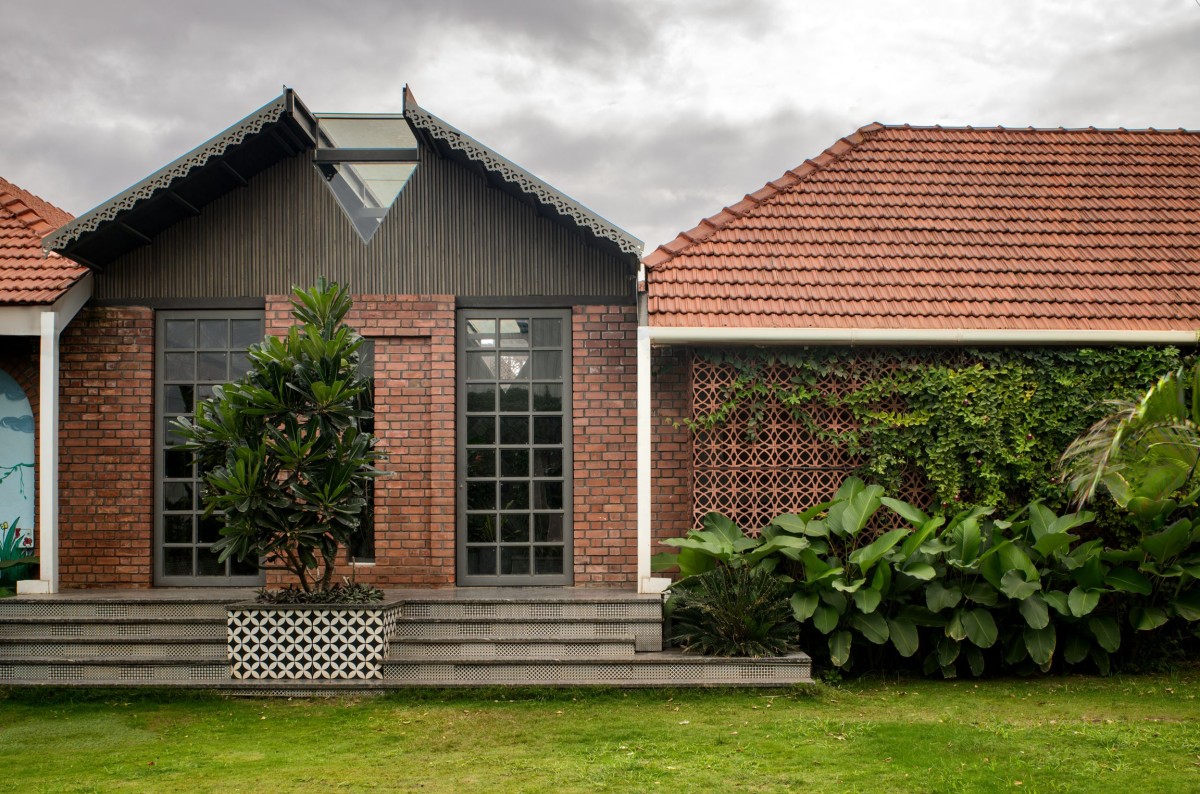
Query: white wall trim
x=46, y=323
x=919, y=336
x=48, y=454
x=643, y=460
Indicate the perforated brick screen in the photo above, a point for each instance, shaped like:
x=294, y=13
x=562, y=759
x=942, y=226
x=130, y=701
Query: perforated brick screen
x=784, y=465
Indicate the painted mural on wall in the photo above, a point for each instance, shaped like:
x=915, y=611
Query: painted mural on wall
x=17, y=482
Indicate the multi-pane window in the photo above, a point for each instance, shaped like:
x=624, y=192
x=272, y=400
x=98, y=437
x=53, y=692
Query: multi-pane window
x=515, y=460
x=195, y=352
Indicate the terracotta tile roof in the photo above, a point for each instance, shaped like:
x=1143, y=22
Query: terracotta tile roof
x=26, y=275
x=959, y=228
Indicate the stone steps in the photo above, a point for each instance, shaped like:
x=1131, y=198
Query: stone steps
x=150, y=648
x=494, y=648
x=447, y=638
x=28, y=628
x=664, y=668
x=106, y=639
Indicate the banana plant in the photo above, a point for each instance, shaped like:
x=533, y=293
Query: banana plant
x=1144, y=453
x=855, y=582
x=721, y=541
x=1161, y=576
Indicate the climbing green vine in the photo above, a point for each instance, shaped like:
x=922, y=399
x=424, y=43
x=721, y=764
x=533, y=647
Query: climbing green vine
x=984, y=426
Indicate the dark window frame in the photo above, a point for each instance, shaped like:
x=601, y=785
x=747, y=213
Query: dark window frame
x=160, y=577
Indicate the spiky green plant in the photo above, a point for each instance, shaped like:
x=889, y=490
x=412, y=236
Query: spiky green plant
x=734, y=611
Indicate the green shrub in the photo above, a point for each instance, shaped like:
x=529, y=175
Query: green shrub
x=345, y=593
x=281, y=451
x=965, y=594
x=733, y=611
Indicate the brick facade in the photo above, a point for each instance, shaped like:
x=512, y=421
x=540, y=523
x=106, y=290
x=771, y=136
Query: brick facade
x=604, y=437
x=414, y=419
x=106, y=479
x=106, y=449
x=671, y=443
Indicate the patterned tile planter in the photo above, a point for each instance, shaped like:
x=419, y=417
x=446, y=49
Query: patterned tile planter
x=309, y=641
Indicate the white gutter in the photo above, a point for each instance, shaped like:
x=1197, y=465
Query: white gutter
x=51, y=322
x=649, y=335
x=921, y=336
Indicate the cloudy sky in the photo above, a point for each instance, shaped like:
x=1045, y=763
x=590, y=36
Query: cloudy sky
x=654, y=113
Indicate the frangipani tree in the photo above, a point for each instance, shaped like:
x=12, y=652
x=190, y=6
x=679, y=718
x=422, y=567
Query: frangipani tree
x=281, y=451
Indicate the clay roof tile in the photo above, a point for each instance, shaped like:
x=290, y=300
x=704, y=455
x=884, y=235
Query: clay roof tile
x=973, y=227
x=27, y=276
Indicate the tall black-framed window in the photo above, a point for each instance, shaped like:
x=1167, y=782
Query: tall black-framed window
x=514, y=447
x=362, y=546
x=194, y=351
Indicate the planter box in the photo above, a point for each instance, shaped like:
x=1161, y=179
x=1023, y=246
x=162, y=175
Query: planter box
x=309, y=641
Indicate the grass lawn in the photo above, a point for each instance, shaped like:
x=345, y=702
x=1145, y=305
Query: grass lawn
x=1052, y=734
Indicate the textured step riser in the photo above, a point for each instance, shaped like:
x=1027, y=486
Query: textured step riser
x=730, y=673
x=98, y=673
x=191, y=651
x=417, y=651
x=110, y=610
x=115, y=631
x=533, y=610
x=647, y=635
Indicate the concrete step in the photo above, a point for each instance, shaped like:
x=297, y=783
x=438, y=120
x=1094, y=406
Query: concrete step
x=149, y=648
x=666, y=668
x=147, y=608
x=496, y=648
x=21, y=628
x=594, y=607
x=115, y=671
x=647, y=633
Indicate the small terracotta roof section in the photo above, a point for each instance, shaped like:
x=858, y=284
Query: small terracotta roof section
x=952, y=228
x=27, y=276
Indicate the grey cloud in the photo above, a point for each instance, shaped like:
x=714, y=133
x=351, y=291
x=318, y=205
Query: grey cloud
x=9, y=388
x=99, y=95
x=657, y=177
x=1144, y=79
x=17, y=424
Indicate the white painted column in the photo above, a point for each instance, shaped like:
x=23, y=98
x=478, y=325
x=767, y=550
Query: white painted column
x=646, y=582
x=47, y=458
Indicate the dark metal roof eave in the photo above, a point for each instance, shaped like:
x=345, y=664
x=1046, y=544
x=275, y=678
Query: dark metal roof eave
x=285, y=109
x=554, y=201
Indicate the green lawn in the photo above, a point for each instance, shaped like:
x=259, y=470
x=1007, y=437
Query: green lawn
x=1052, y=734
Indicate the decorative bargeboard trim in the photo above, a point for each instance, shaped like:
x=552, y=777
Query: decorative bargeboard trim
x=165, y=177
x=515, y=175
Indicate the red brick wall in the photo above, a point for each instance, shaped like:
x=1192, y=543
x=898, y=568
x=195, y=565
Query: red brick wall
x=414, y=419
x=671, y=451
x=106, y=449
x=604, y=395
x=106, y=486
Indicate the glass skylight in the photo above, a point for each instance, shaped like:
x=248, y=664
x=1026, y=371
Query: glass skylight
x=366, y=162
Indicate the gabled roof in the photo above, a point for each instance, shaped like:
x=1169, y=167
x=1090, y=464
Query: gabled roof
x=281, y=128
x=515, y=180
x=284, y=128
x=27, y=276
x=899, y=227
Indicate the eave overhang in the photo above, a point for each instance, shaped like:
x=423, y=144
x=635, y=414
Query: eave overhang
x=510, y=178
x=280, y=129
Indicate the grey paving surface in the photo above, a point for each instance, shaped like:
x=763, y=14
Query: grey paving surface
x=233, y=594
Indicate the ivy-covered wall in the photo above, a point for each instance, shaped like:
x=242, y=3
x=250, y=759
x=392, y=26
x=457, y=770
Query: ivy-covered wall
x=777, y=429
